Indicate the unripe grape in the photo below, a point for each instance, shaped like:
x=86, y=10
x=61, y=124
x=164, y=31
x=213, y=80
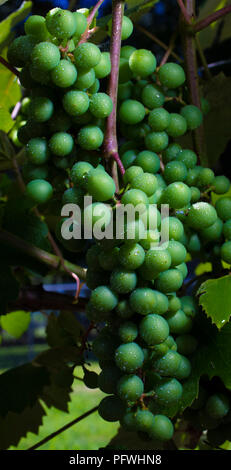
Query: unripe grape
x=85, y=79
x=103, y=68
x=75, y=102
x=179, y=323
x=129, y=357
x=177, y=195
x=168, y=391
x=148, y=161
x=123, y=281
x=35, y=26
x=131, y=112
x=175, y=171
x=169, y=281
x=100, y=185
x=223, y=208
x=101, y=105
x=226, y=252
x=153, y=329
x=64, y=74
x=144, y=420
x=130, y=388
x=227, y=229
x=171, y=75
x=40, y=191
x=45, y=56
x=90, y=137
x=177, y=125
x=221, y=185
x=193, y=116
x=156, y=141
x=87, y=55
x=143, y=300
x=159, y=119
x=142, y=62
x=201, y=215
x=152, y=96
x=126, y=30
x=217, y=406
x=40, y=109
x=111, y=408
x=20, y=50
x=103, y=299
x=61, y=144
x=62, y=24
x=128, y=332
x=37, y=151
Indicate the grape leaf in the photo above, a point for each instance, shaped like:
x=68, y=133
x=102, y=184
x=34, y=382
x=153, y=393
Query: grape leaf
x=15, y=323
x=215, y=299
x=6, y=120
x=6, y=26
x=208, y=35
x=10, y=90
x=6, y=148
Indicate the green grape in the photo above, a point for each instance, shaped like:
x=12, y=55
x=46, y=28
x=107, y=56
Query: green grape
x=205, y=177
x=201, y=215
x=100, y=185
x=35, y=26
x=123, y=281
x=131, y=256
x=145, y=182
x=195, y=194
x=73, y=196
x=226, y=252
x=90, y=137
x=192, y=176
x=39, y=191
x=108, y=260
x=133, y=231
x=168, y=391
x=135, y=197
x=157, y=261
x=174, y=303
x=162, y=428
x=128, y=332
x=193, y=116
x=194, y=244
x=148, y=161
x=179, y=323
x=171, y=152
x=131, y=112
x=96, y=214
x=168, y=364
x=223, y=208
x=123, y=309
x=40, y=76
x=126, y=30
x=31, y=172
x=221, y=185
x=62, y=24
x=45, y=56
x=171, y=75
x=174, y=226
x=175, y=171
x=128, y=421
x=188, y=305
x=90, y=379
x=64, y=74
x=142, y=63
x=183, y=269
x=111, y=408
x=95, y=87
x=124, y=91
x=184, y=369
x=217, y=406
x=151, y=218
x=162, y=304
x=143, y=300
x=87, y=55
x=169, y=281
x=128, y=157
x=79, y=173
x=186, y=344
x=81, y=23
x=144, y=420
x=40, y=109
x=126, y=51
x=61, y=144
x=227, y=229
x=159, y=119
x=156, y=141
x=177, y=195
x=108, y=379
x=129, y=357
x=177, y=125
x=85, y=79
x=213, y=232
x=50, y=15
x=125, y=73
x=75, y=102
x=37, y=151
x=103, y=299
x=152, y=96
x=20, y=50
x=188, y=157
x=131, y=173
x=177, y=251
x=101, y=105
x=130, y=388
x=153, y=329
x=103, y=68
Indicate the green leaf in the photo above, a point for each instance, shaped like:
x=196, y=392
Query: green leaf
x=11, y=21
x=215, y=299
x=6, y=148
x=10, y=90
x=6, y=120
x=217, y=122
x=9, y=288
x=16, y=323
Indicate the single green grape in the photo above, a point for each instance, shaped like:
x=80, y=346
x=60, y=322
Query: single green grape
x=131, y=112
x=152, y=96
x=171, y=75
x=75, y=102
x=129, y=357
x=64, y=74
x=175, y=171
x=87, y=55
x=156, y=141
x=90, y=137
x=62, y=24
x=223, y=208
x=143, y=300
x=159, y=119
x=142, y=62
x=101, y=105
x=103, y=68
x=39, y=190
x=169, y=281
x=201, y=215
x=35, y=26
x=40, y=109
x=179, y=323
x=45, y=56
x=148, y=161
x=103, y=299
x=221, y=184
x=153, y=329
x=37, y=151
x=126, y=30
x=123, y=281
x=100, y=185
x=193, y=116
x=177, y=125
x=177, y=195
x=226, y=252
x=85, y=79
x=130, y=388
x=217, y=406
x=61, y=144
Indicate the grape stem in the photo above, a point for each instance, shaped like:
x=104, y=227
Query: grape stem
x=184, y=11
x=110, y=139
x=9, y=67
x=217, y=15
x=90, y=18
x=43, y=256
x=63, y=428
x=170, y=49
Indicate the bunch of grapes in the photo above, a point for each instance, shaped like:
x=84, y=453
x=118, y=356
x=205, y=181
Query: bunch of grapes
x=145, y=345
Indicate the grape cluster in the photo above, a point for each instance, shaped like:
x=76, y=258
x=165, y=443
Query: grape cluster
x=137, y=290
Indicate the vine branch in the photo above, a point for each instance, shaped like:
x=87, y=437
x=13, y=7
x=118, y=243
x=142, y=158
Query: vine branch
x=110, y=139
x=217, y=15
x=90, y=18
x=9, y=67
x=184, y=11
x=63, y=428
x=43, y=256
